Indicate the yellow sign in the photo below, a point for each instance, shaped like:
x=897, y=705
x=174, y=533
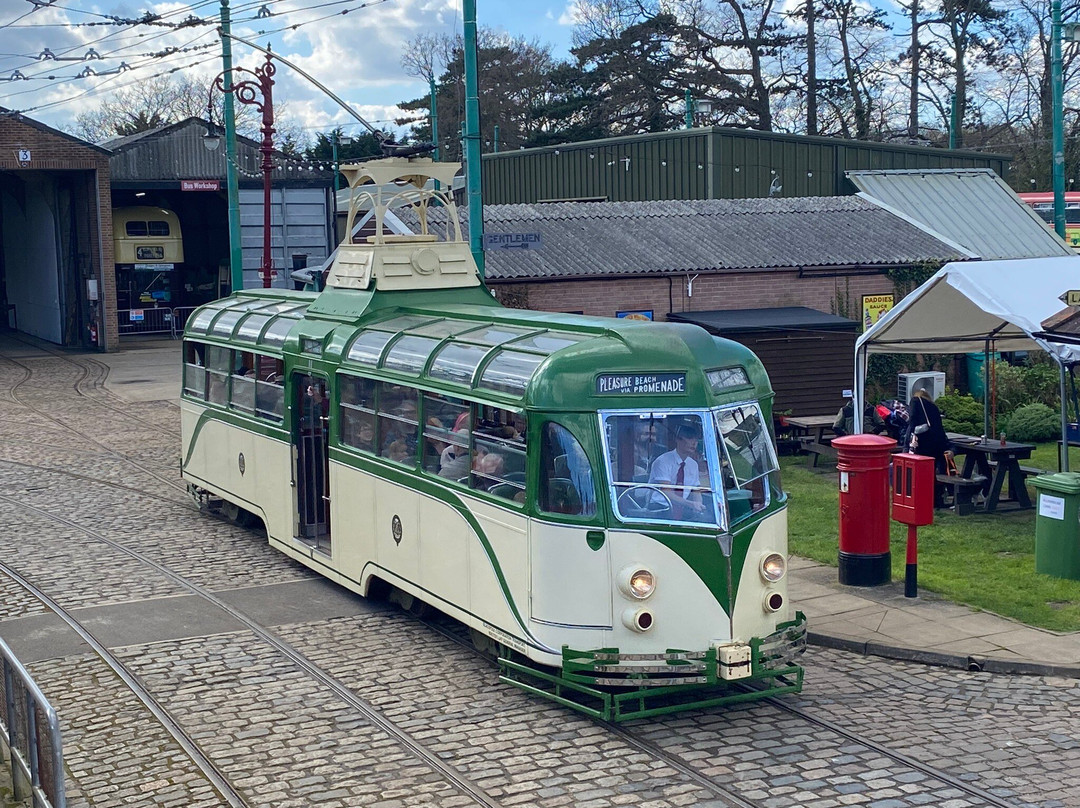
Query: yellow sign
x=1072, y=297
x=873, y=307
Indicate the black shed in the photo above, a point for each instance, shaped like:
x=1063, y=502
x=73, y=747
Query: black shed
x=809, y=355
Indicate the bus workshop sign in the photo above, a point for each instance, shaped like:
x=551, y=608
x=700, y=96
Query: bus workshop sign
x=610, y=384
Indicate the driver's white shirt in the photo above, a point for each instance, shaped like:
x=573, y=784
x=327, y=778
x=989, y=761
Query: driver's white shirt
x=666, y=468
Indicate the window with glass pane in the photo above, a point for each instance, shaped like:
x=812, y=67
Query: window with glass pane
x=158, y=228
x=201, y=321
x=357, y=412
x=195, y=369
x=497, y=334
x=405, y=322
x=368, y=347
x=566, y=479
x=549, y=342
x=218, y=367
x=398, y=425
x=659, y=468
x=510, y=371
x=242, y=392
x=277, y=331
x=457, y=362
x=499, y=453
x=409, y=353
x=223, y=326
x=446, y=436
x=251, y=327
x=270, y=398
x=747, y=458
x=443, y=328
x=135, y=228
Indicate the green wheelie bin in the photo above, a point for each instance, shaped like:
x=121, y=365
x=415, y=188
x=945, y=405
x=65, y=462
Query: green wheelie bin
x=1057, y=524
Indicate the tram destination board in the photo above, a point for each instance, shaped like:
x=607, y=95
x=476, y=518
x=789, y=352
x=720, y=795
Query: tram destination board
x=621, y=383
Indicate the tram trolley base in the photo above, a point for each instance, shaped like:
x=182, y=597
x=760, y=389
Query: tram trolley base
x=773, y=674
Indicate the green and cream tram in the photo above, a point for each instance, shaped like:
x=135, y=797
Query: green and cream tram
x=599, y=498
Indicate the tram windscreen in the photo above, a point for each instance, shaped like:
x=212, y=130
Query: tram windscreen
x=747, y=458
x=660, y=467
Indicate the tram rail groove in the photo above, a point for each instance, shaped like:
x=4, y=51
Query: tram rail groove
x=738, y=800
x=212, y=773
x=362, y=706
x=184, y=500
x=172, y=483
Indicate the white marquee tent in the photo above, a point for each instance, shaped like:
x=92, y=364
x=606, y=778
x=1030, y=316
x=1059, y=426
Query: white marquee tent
x=965, y=304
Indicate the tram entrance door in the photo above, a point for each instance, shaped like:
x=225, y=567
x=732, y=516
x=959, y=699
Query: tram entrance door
x=311, y=432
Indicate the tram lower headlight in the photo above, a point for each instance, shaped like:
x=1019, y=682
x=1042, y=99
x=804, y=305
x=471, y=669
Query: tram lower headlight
x=637, y=582
x=638, y=619
x=773, y=567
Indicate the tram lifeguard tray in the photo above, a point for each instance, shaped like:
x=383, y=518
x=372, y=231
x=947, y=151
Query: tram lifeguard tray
x=386, y=261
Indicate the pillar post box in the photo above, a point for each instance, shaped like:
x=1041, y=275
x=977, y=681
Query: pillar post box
x=863, y=463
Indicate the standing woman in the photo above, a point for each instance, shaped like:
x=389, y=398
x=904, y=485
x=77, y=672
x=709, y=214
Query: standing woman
x=926, y=436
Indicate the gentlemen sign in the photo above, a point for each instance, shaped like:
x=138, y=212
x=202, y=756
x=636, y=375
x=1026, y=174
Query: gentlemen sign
x=609, y=384
x=512, y=241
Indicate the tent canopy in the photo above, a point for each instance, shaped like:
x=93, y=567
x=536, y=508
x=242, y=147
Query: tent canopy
x=964, y=304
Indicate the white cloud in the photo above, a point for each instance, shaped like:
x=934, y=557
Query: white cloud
x=571, y=15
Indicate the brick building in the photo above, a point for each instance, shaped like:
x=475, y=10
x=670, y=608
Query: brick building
x=55, y=235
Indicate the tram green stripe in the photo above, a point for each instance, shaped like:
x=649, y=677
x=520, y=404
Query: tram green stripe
x=267, y=430
x=417, y=482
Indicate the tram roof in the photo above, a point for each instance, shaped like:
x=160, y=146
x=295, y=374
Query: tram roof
x=536, y=359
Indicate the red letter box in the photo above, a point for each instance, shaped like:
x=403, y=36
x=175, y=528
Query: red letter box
x=913, y=489
x=863, y=463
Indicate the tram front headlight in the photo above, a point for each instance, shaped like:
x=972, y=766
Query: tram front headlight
x=637, y=582
x=773, y=567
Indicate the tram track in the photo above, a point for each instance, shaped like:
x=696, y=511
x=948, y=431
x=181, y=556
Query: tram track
x=333, y=685
x=733, y=798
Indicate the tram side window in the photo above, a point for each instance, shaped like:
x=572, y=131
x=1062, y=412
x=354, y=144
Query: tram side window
x=269, y=387
x=447, y=425
x=195, y=369
x=242, y=394
x=218, y=368
x=499, y=453
x=357, y=412
x=398, y=424
x=566, y=482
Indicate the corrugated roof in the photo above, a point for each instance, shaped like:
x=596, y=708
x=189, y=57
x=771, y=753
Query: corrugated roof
x=642, y=238
x=970, y=207
x=176, y=151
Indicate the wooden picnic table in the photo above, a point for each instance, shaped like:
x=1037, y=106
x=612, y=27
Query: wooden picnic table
x=811, y=431
x=997, y=463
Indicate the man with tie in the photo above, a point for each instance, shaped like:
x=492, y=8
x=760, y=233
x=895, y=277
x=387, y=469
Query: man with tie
x=676, y=474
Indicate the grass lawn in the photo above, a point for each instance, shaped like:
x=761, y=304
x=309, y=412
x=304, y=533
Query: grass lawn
x=984, y=560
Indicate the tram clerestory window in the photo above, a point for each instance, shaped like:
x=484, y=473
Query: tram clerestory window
x=660, y=467
x=747, y=458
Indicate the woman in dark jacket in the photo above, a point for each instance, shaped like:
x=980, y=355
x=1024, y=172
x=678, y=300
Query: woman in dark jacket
x=926, y=436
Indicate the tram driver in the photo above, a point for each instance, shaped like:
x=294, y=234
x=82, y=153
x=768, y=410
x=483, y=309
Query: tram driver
x=677, y=475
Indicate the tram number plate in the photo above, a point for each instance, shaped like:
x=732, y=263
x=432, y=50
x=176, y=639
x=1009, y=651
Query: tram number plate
x=608, y=384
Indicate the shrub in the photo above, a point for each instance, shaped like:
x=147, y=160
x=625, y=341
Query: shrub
x=960, y=413
x=1018, y=385
x=1033, y=423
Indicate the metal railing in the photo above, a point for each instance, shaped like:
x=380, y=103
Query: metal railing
x=153, y=321
x=30, y=736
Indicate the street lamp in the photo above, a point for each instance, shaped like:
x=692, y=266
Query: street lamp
x=258, y=93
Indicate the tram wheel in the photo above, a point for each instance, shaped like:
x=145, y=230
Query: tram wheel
x=410, y=604
x=484, y=644
x=239, y=516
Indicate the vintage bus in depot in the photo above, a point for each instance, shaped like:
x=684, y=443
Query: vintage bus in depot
x=598, y=500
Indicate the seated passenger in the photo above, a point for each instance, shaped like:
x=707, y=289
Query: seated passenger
x=454, y=459
x=397, y=451
x=486, y=466
x=676, y=473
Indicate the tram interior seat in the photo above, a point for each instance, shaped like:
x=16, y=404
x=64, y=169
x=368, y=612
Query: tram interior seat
x=563, y=496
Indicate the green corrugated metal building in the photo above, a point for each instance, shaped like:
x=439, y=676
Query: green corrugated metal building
x=708, y=163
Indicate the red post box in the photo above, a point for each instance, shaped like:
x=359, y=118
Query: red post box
x=863, y=463
x=913, y=505
x=913, y=489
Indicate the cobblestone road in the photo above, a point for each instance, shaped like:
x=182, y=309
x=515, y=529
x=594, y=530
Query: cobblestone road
x=87, y=467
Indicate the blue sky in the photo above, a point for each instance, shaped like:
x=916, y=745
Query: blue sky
x=356, y=55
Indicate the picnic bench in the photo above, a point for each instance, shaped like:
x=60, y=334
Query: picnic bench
x=810, y=431
x=963, y=490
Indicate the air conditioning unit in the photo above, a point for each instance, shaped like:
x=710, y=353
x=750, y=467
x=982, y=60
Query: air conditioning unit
x=932, y=381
